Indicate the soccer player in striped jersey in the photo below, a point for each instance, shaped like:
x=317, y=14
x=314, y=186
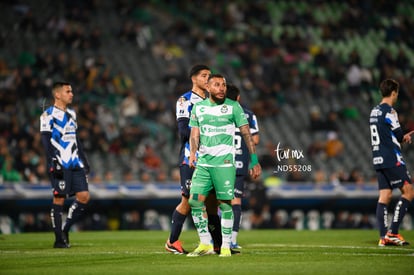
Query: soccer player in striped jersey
x=386, y=136
x=66, y=160
x=213, y=122
x=199, y=75
x=242, y=163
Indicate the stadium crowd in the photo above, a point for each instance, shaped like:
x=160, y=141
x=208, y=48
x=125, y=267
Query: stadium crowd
x=278, y=52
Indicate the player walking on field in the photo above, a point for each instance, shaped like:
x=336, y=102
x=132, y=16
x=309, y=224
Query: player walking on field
x=386, y=136
x=67, y=163
x=213, y=122
x=242, y=159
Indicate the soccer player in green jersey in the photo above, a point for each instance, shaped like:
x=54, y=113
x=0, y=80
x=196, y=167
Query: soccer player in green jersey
x=213, y=123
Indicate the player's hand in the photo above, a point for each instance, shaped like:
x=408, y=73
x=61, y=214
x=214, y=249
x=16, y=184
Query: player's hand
x=56, y=169
x=255, y=171
x=192, y=161
x=407, y=137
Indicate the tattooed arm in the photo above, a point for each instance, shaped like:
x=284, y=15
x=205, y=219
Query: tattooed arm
x=194, y=144
x=255, y=168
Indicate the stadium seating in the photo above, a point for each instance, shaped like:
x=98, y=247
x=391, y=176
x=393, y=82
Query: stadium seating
x=290, y=126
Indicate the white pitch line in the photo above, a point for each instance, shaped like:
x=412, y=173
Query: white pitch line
x=331, y=247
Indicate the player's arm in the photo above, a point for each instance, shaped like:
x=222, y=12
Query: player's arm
x=82, y=156
x=183, y=129
x=256, y=139
x=255, y=168
x=46, y=136
x=194, y=144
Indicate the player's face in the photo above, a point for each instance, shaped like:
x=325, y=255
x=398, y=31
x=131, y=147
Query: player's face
x=217, y=89
x=201, y=79
x=395, y=97
x=65, y=94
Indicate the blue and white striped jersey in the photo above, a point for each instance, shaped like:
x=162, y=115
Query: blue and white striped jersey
x=63, y=145
x=184, y=106
x=386, y=135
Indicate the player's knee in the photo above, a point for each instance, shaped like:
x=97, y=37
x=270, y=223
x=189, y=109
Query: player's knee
x=195, y=203
x=183, y=207
x=83, y=197
x=236, y=207
x=225, y=207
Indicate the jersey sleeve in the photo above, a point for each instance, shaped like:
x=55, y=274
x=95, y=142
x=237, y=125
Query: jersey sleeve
x=239, y=115
x=183, y=108
x=392, y=119
x=254, y=126
x=46, y=122
x=193, y=117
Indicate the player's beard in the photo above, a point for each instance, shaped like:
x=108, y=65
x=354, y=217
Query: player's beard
x=217, y=100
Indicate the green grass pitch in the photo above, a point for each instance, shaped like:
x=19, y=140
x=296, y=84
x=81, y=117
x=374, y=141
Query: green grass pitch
x=264, y=252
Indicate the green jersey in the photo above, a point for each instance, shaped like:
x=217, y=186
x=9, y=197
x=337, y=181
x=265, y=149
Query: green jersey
x=217, y=124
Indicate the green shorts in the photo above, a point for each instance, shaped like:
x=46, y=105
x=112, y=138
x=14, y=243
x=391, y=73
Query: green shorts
x=220, y=178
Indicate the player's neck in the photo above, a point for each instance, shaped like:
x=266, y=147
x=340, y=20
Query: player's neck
x=387, y=100
x=60, y=106
x=199, y=92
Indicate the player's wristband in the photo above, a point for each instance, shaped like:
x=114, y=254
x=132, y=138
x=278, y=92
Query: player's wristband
x=253, y=160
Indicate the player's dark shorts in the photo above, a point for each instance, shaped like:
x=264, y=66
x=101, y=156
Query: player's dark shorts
x=239, y=186
x=185, y=176
x=391, y=178
x=72, y=182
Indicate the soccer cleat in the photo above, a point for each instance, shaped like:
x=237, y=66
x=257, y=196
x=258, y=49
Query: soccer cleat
x=175, y=248
x=234, y=251
x=60, y=244
x=225, y=252
x=201, y=250
x=217, y=251
x=235, y=246
x=384, y=242
x=396, y=239
x=65, y=238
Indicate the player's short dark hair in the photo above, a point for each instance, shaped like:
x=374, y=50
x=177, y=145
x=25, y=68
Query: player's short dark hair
x=215, y=76
x=232, y=92
x=197, y=68
x=387, y=86
x=59, y=84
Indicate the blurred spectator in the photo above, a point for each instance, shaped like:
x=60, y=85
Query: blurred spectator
x=356, y=176
x=317, y=122
x=129, y=109
x=132, y=221
x=365, y=222
x=8, y=172
x=334, y=147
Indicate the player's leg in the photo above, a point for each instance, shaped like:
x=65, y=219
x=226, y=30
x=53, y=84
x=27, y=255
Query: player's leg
x=223, y=179
x=56, y=218
x=200, y=188
x=77, y=209
x=237, y=209
x=385, y=194
x=407, y=195
x=180, y=213
x=59, y=189
x=214, y=224
x=226, y=226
